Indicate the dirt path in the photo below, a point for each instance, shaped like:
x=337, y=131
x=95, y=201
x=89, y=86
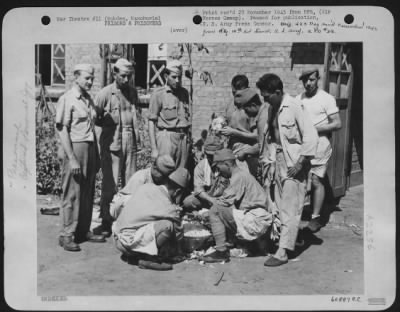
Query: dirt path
x=333, y=267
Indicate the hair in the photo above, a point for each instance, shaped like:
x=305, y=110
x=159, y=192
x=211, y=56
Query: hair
x=270, y=83
x=240, y=82
x=77, y=73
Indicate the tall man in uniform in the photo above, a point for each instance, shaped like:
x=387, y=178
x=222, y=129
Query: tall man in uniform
x=293, y=138
x=169, y=114
x=325, y=116
x=75, y=119
x=116, y=105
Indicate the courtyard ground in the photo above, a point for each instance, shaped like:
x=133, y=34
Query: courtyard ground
x=331, y=263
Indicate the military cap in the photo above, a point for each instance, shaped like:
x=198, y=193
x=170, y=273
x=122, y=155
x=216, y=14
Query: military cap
x=308, y=72
x=175, y=66
x=165, y=164
x=244, y=96
x=181, y=177
x=224, y=154
x=123, y=64
x=84, y=67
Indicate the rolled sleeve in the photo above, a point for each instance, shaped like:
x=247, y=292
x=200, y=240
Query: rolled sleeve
x=330, y=105
x=154, y=107
x=63, y=112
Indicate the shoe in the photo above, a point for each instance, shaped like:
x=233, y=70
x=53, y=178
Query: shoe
x=102, y=230
x=68, y=243
x=274, y=262
x=93, y=238
x=314, y=225
x=216, y=256
x=151, y=265
x=300, y=239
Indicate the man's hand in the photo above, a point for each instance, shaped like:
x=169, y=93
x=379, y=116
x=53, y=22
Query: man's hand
x=241, y=155
x=294, y=171
x=154, y=154
x=228, y=131
x=75, y=167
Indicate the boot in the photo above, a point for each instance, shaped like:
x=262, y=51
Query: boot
x=68, y=243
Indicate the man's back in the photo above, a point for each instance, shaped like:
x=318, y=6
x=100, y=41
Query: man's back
x=150, y=203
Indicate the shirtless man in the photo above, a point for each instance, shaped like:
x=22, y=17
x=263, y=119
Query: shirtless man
x=116, y=106
x=293, y=138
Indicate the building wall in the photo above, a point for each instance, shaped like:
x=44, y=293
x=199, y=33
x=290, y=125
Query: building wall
x=225, y=60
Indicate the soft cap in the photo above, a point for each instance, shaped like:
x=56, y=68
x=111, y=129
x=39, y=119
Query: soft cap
x=165, y=164
x=84, y=67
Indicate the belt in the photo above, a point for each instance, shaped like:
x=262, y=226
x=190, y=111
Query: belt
x=127, y=128
x=177, y=130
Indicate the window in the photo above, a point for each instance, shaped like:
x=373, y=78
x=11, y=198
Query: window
x=50, y=64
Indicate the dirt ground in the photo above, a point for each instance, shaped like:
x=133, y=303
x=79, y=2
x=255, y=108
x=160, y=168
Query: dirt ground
x=332, y=263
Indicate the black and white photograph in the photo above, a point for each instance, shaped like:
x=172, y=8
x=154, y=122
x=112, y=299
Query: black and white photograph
x=215, y=168
x=186, y=104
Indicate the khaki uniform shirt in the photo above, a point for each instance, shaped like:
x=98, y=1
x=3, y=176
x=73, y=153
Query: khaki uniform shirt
x=76, y=112
x=109, y=102
x=170, y=108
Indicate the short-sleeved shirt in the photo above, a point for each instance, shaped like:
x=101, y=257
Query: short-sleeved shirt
x=319, y=107
x=109, y=102
x=76, y=112
x=170, y=108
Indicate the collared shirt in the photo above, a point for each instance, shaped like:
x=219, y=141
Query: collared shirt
x=109, y=103
x=243, y=192
x=170, y=108
x=149, y=203
x=319, y=107
x=78, y=114
x=297, y=133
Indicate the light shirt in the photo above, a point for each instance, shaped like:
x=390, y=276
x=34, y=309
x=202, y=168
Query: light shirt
x=76, y=112
x=319, y=107
x=297, y=133
x=122, y=197
x=202, y=176
x=150, y=203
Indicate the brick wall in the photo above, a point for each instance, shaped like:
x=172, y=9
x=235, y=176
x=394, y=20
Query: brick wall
x=252, y=59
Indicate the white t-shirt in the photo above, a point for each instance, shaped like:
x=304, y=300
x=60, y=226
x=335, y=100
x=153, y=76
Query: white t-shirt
x=319, y=107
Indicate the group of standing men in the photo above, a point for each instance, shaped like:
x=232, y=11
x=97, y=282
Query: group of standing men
x=287, y=137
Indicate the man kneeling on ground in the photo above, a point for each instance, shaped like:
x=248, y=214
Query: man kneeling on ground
x=240, y=211
x=157, y=174
x=207, y=183
x=150, y=223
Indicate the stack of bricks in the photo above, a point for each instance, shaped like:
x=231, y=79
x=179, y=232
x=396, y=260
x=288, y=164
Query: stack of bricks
x=225, y=60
